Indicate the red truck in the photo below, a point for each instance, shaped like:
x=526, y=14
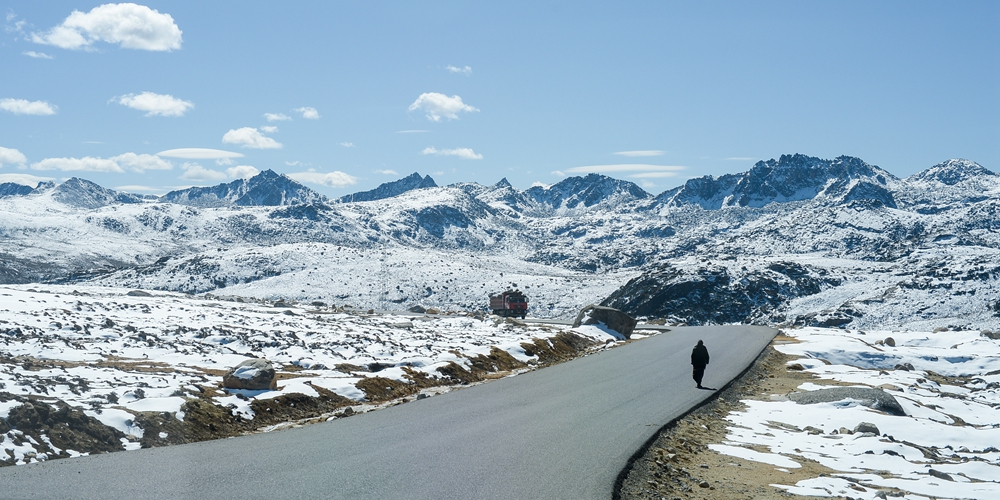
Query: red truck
x=509, y=303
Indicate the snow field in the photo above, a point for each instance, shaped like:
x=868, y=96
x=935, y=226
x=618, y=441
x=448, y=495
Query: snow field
x=952, y=422
x=113, y=354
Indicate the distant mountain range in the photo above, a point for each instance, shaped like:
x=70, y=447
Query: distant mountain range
x=796, y=240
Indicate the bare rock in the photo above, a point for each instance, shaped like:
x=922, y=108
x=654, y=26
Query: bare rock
x=612, y=318
x=891, y=342
x=866, y=427
x=253, y=374
x=873, y=398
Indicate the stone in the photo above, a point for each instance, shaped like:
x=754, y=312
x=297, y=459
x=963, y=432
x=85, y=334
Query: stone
x=866, y=427
x=612, y=318
x=940, y=475
x=873, y=398
x=891, y=342
x=253, y=374
x=139, y=293
x=417, y=309
x=905, y=366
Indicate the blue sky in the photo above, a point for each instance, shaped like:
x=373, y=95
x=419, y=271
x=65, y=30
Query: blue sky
x=343, y=96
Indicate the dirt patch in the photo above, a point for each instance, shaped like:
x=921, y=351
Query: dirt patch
x=679, y=464
x=564, y=346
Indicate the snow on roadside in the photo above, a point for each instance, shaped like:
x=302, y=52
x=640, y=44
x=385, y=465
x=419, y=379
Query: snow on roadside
x=946, y=446
x=114, y=354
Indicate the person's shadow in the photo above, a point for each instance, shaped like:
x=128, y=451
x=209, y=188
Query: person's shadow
x=707, y=388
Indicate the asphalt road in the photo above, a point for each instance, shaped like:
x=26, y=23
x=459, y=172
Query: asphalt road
x=561, y=432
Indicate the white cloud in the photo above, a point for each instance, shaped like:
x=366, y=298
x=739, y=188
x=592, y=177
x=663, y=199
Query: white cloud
x=37, y=55
x=11, y=156
x=196, y=172
x=250, y=137
x=308, y=113
x=292, y=163
x=118, y=164
x=336, y=179
x=412, y=131
x=129, y=25
x=270, y=129
x=142, y=163
x=241, y=172
x=465, y=71
x=155, y=104
x=24, y=179
x=559, y=173
x=276, y=117
x=636, y=170
x=648, y=152
x=385, y=172
x=646, y=184
x=347, y=144
x=199, y=154
x=465, y=153
x=85, y=164
x=224, y=161
x=24, y=107
x=439, y=106
x=540, y=184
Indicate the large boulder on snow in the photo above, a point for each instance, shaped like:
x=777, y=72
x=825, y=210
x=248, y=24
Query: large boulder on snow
x=876, y=399
x=611, y=317
x=253, y=374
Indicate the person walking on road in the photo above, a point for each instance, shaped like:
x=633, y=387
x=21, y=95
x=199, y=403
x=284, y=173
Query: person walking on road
x=699, y=360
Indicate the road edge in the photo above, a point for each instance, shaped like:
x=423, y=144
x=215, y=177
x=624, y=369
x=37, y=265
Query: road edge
x=644, y=449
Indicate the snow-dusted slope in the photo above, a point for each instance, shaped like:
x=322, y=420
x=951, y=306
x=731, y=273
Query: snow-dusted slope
x=799, y=240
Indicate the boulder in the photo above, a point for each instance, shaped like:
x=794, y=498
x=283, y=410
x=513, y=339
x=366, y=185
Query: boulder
x=873, y=398
x=866, y=427
x=253, y=374
x=611, y=317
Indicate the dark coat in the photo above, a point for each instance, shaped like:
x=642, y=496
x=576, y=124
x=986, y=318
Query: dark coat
x=699, y=356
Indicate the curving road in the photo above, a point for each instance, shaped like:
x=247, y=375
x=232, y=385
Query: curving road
x=562, y=432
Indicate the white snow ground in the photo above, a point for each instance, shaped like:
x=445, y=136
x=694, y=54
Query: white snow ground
x=952, y=425
x=114, y=354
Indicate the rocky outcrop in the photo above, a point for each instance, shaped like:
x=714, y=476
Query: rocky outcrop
x=253, y=374
x=611, y=318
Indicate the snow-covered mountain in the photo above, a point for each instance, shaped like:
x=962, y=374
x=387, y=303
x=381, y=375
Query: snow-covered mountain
x=794, y=240
x=267, y=188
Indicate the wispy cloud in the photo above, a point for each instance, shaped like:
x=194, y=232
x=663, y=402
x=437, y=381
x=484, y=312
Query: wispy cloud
x=386, y=172
x=199, y=154
x=129, y=25
x=24, y=107
x=116, y=164
x=645, y=152
x=270, y=129
x=276, y=117
x=250, y=137
x=11, y=156
x=155, y=104
x=411, y=131
x=467, y=70
x=347, y=144
x=37, y=55
x=741, y=158
x=335, y=179
x=439, y=106
x=634, y=170
x=308, y=113
x=465, y=153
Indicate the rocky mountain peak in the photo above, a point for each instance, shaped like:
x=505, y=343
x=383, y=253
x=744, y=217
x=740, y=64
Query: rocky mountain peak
x=82, y=193
x=594, y=189
x=268, y=188
x=390, y=189
x=952, y=172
